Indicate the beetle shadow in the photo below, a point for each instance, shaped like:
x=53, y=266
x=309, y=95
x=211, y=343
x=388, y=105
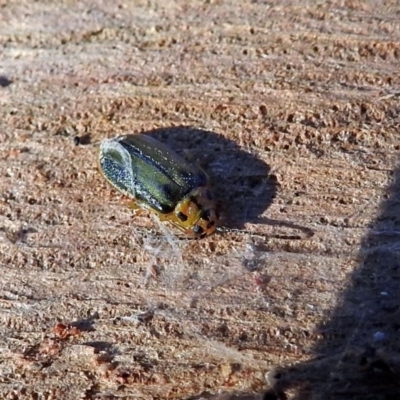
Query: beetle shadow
x=243, y=184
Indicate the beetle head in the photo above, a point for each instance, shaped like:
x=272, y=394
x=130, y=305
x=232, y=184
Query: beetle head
x=197, y=213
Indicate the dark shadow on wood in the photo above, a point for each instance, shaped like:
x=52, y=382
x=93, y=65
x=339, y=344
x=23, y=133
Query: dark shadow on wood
x=358, y=356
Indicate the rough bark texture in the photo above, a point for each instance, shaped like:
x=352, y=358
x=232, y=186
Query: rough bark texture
x=292, y=107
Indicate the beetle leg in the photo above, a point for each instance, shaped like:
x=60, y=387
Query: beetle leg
x=136, y=208
x=133, y=205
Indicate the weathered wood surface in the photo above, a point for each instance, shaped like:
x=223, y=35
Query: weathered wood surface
x=293, y=109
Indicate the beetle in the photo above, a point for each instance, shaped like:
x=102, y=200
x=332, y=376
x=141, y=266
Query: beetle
x=158, y=179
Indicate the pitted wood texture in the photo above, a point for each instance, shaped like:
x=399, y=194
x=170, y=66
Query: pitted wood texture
x=292, y=108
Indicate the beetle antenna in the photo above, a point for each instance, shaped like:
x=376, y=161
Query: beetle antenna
x=307, y=233
x=225, y=229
